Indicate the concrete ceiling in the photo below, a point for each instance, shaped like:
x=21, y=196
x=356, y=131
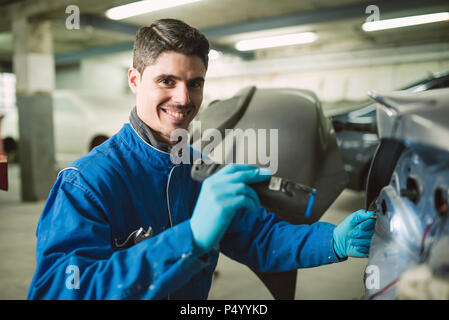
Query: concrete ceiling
x=210, y=13
x=225, y=21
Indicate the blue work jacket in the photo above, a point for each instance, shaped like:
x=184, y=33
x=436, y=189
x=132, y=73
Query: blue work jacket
x=125, y=184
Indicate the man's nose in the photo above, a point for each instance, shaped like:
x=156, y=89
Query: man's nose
x=181, y=95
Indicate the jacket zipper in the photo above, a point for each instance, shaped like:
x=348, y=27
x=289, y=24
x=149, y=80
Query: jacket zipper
x=168, y=204
x=168, y=198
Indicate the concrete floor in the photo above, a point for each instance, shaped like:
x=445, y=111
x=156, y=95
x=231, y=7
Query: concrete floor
x=18, y=223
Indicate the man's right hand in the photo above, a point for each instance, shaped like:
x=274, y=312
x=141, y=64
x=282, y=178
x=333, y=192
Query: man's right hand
x=222, y=195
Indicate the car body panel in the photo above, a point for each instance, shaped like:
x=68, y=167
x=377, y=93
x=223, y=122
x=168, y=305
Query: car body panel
x=411, y=202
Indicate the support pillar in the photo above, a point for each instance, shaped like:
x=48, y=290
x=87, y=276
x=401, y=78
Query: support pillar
x=33, y=65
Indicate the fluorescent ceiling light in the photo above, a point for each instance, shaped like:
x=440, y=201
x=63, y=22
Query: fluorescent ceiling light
x=405, y=21
x=141, y=7
x=276, y=41
x=214, y=54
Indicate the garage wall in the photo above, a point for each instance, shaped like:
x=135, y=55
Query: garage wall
x=68, y=77
x=333, y=77
x=332, y=85
x=104, y=76
x=94, y=74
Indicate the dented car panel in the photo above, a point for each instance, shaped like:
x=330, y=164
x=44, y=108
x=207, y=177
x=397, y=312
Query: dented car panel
x=410, y=200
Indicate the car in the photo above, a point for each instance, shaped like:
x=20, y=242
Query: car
x=357, y=132
x=283, y=129
x=81, y=120
x=409, y=191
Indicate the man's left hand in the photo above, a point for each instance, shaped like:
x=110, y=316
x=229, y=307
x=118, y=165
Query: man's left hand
x=352, y=237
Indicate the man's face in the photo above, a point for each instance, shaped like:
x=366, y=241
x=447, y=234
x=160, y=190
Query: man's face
x=169, y=92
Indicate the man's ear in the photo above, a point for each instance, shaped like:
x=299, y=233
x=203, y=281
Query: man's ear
x=133, y=79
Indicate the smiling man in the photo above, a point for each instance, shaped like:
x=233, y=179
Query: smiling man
x=124, y=222
x=168, y=93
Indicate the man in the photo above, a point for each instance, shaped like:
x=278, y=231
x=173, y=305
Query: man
x=85, y=248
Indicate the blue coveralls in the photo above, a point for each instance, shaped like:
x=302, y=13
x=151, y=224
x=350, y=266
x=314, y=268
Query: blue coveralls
x=125, y=184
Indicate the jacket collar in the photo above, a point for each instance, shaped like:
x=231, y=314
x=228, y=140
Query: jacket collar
x=145, y=132
x=154, y=157
x=140, y=139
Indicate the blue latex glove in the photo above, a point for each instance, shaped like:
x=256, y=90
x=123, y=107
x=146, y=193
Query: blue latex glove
x=221, y=196
x=352, y=237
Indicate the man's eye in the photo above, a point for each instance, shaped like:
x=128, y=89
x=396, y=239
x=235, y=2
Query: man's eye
x=196, y=84
x=167, y=82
